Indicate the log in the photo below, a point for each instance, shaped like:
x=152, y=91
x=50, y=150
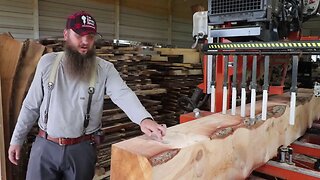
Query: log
x=3, y=175
x=216, y=146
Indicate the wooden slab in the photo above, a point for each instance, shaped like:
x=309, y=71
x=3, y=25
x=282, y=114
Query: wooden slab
x=215, y=147
x=185, y=72
x=2, y=146
x=22, y=80
x=10, y=51
x=189, y=55
x=158, y=57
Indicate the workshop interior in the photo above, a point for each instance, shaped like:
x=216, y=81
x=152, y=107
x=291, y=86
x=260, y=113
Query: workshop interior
x=236, y=83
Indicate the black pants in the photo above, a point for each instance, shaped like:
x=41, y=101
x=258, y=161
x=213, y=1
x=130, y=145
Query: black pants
x=50, y=161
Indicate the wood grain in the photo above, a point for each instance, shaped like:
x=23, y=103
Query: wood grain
x=217, y=146
x=2, y=146
x=10, y=51
x=189, y=55
x=26, y=69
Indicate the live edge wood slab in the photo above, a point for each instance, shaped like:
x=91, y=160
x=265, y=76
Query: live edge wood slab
x=216, y=146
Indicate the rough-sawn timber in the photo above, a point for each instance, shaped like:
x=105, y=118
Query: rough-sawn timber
x=217, y=146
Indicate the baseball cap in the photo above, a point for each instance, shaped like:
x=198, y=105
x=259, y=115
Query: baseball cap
x=82, y=23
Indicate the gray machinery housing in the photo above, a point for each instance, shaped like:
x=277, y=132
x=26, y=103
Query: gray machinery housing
x=266, y=20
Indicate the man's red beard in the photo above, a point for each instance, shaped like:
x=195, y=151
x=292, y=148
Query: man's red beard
x=79, y=66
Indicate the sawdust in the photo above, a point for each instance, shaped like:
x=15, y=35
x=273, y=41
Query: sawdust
x=163, y=157
x=225, y=131
x=222, y=133
x=273, y=112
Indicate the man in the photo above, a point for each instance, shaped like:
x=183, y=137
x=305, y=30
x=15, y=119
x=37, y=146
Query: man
x=63, y=148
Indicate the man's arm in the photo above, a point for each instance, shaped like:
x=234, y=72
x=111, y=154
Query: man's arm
x=29, y=113
x=126, y=99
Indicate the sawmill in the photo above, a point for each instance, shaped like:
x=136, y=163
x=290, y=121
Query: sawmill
x=160, y=89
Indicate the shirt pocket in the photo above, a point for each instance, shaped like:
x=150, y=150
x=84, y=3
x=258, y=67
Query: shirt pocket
x=98, y=93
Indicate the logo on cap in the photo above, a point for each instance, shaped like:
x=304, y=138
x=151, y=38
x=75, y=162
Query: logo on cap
x=82, y=23
x=84, y=19
x=87, y=21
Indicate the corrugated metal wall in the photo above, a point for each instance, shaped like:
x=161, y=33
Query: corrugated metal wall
x=16, y=17
x=182, y=21
x=144, y=20
x=181, y=32
x=311, y=27
x=155, y=21
x=53, y=14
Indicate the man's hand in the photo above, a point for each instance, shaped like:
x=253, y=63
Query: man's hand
x=14, y=153
x=152, y=128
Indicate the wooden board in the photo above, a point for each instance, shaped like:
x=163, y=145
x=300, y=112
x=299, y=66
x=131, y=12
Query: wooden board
x=26, y=69
x=2, y=146
x=189, y=55
x=217, y=146
x=185, y=72
x=175, y=51
x=10, y=51
x=158, y=57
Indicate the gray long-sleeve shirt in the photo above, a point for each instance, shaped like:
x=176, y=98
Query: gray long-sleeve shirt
x=69, y=99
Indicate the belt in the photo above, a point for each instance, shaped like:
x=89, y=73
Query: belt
x=65, y=141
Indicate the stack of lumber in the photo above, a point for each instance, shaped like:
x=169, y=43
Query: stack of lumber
x=179, y=79
x=18, y=63
x=133, y=68
x=178, y=55
x=216, y=146
x=117, y=127
x=179, y=71
x=146, y=78
x=53, y=44
x=177, y=87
